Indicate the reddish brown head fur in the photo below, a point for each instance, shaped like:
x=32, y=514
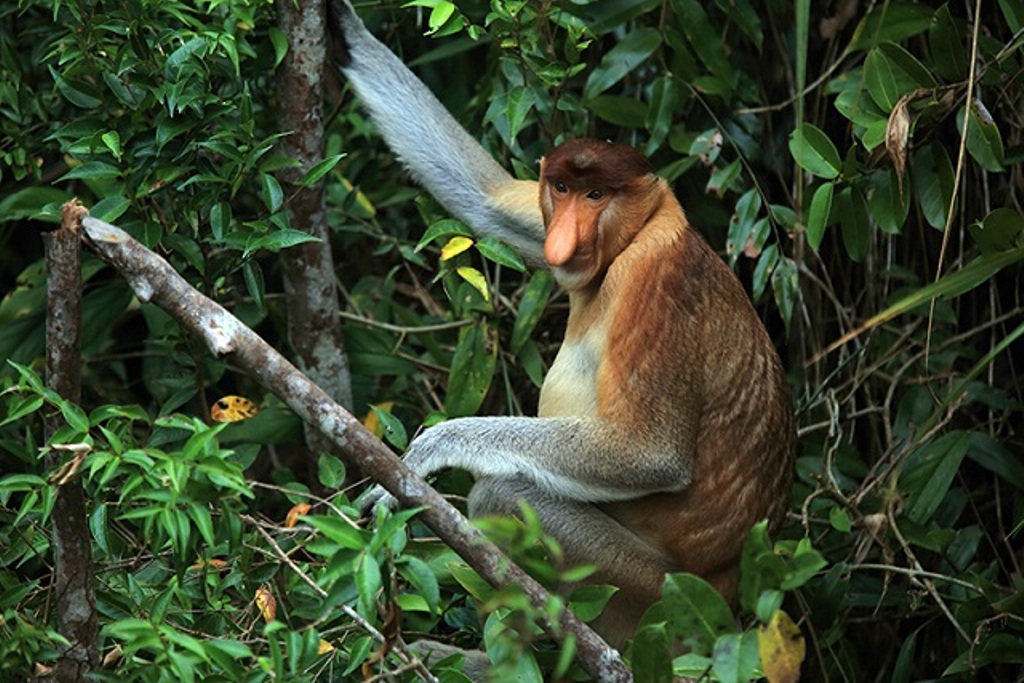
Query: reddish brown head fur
x=595, y=164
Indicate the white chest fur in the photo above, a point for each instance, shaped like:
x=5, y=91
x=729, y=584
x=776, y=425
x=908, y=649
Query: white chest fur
x=570, y=387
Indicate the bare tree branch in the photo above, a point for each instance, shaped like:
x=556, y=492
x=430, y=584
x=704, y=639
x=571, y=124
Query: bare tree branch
x=73, y=590
x=153, y=279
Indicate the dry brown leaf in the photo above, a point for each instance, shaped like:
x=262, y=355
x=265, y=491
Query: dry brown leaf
x=293, y=515
x=111, y=659
x=897, y=133
x=266, y=604
x=215, y=563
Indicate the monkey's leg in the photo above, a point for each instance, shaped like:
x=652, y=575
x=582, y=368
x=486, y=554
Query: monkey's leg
x=587, y=536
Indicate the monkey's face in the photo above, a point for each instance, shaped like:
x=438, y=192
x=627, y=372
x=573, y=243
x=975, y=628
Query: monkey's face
x=585, y=189
x=572, y=216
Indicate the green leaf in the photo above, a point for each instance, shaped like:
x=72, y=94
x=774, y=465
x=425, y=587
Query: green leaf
x=763, y=271
x=741, y=227
x=440, y=15
x=110, y=208
x=320, y=169
x=651, y=654
x=1013, y=13
x=699, y=612
x=805, y=563
x=394, y=430
x=75, y=417
x=421, y=577
x=998, y=459
x=632, y=51
x=736, y=658
x=280, y=43
x=1001, y=230
x=665, y=97
x=588, y=600
x=204, y=522
x=814, y=151
x=20, y=408
x=858, y=107
x=273, y=195
x=472, y=369
x=746, y=17
x=983, y=139
x=839, y=519
x=531, y=307
x=80, y=94
x=445, y=227
x=330, y=471
x=625, y=112
x=112, y=140
x=786, y=287
x=928, y=473
x=946, y=40
x=760, y=569
x=852, y=209
x=890, y=72
x=495, y=250
x=706, y=41
x=604, y=17
x=93, y=170
x=98, y=527
x=819, y=213
x=722, y=179
x=887, y=208
x=342, y=532
x=891, y=21
x=933, y=182
x=220, y=219
x=520, y=102
x=279, y=239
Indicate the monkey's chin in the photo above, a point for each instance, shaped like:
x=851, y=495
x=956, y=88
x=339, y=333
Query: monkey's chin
x=573, y=279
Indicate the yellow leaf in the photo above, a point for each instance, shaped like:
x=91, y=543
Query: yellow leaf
x=361, y=199
x=455, y=246
x=324, y=647
x=372, y=423
x=475, y=278
x=782, y=649
x=297, y=511
x=266, y=604
x=233, y=409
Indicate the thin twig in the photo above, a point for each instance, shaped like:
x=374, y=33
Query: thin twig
x=409, y=661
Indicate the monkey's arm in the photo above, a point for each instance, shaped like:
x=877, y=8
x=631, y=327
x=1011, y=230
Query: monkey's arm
x=572, y=457
x=438, y=152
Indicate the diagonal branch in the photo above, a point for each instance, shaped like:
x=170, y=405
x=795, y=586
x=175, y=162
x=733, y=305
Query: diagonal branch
x=153, y=279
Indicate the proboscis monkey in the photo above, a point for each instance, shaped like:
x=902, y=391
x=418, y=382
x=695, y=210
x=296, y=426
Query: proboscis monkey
x=665, y=429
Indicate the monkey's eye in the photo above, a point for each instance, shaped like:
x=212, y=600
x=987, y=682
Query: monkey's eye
x=561, y=188
x=595, y=194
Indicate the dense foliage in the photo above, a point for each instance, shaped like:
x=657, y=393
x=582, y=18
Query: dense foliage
x=858, y=164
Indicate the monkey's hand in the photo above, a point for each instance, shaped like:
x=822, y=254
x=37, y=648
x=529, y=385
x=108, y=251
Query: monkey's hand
x=424, y=457
x=370, y=498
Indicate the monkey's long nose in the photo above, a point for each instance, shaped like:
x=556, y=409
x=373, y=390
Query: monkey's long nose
x=563, y=236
